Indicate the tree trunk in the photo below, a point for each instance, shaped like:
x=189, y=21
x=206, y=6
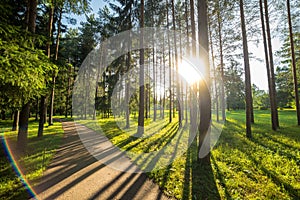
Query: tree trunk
x=271, y=96
x=274, y=111
x=187, y=27
x=248, y=90
x=68, y=93
x=170, y=66
x=140, y=130
x=293, y=62
x=222, y=62
x=50, y=24
x=23, y=127
x=32, y=15
x=204, y=95
x=176, y=67
x=127, y=86
x=164, y=74
x=181, y=102
x=3, y=115
x=214, y=71
x=188, y=52
x=193, y=27
x=37, y=110
x=50, y=122
x=16, y=120
x=24, y=114
x=154, y=81
x=42, y=114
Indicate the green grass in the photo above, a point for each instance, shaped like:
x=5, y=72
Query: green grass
x=266, y=167
x=38, y=155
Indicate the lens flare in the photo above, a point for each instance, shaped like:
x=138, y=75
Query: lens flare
x=16, y=166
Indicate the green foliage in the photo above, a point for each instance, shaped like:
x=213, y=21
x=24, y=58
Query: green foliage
x=24, y=70
x=234, y=87
x=284, y=75
x=260, y=98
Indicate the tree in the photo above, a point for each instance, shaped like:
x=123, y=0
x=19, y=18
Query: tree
x=293, y=62
x=176, y=65
x=43, y=105
x=204, y=94
x=24, y=114
x=24, y=68
x=140, y=130
x=260, y=98
x=219, y=19
x=270, y=72
x=235, y=87
x=248, y=92
x=284, y=83
x=272, y=88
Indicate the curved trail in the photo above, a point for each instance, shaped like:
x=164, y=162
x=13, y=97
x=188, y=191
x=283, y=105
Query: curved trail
x=75, y=174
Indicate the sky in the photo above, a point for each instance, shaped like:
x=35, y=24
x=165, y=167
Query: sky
x=258, y=69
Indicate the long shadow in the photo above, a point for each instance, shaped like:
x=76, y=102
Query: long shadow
x=220, y=176
x=271, y=148
x=70, y=161
x=276, y=150
x=132, y=138
x=169, y=134
x=111, y=183
x=168, y=169
x=203, y=182
x=280, y=143
x=294, y=193
x=187, y=175
x=72, y=156
x=74, y=182
x=134, y=188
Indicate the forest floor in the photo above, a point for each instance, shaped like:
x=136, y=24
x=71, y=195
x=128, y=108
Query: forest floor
x=266, y=167
x=75, y=174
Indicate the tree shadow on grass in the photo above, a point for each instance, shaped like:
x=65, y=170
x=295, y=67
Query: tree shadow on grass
x=203, y=181
x=258, y=140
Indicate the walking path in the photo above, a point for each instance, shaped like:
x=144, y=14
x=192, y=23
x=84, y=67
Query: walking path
x=75, y=174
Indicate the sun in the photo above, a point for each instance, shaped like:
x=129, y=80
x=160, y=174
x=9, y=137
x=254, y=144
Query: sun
x=189, y=72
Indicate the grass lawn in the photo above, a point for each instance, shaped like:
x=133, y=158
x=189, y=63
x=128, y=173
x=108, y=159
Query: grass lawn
x=39, y=153
x=266, y=167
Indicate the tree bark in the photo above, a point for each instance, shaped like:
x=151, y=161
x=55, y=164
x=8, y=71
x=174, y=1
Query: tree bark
x=50, y=122
x=222, y=62
x=274, y=111
x=24, y=114
x=170, y=66
x=16, y=120
x=68, y=93
x=248, y=90
x=176, y=67
x=293, y=62
x=23, y=127
x=32, y=15
x=42, y=114
x=214, y=71
x=127, y=86
x=154, y=81
x=193, y=27
x=271, y=96
x=140, y=130
x=204, y=94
